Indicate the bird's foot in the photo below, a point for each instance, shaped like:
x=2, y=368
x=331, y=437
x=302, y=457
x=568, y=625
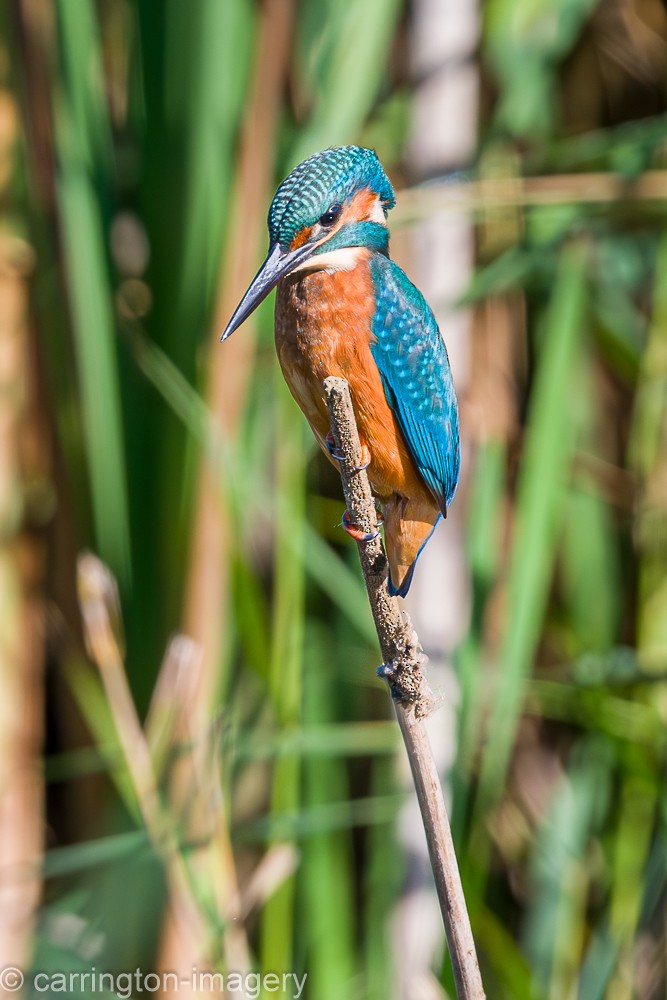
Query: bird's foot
x=365, y=458
x=332, y=449
x=355, y=531
x=338, y=455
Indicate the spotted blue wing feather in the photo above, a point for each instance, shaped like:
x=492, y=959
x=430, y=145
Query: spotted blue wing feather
x=414, y=367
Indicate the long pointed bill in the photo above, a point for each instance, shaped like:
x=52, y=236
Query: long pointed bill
x=278, y=263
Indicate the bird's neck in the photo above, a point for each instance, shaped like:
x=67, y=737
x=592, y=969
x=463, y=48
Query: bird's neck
x=373, y=236
x=347, y=249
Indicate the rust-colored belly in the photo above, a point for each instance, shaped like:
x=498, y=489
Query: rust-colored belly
x=323, y=327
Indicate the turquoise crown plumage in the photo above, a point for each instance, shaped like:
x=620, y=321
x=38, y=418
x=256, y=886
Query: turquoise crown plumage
x=328, y=177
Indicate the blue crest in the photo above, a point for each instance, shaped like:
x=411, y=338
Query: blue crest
x=329, y=177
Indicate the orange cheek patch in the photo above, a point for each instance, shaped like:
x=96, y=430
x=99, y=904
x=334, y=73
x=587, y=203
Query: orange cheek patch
x=301, y=237
x=364, y=202
x=361, y=206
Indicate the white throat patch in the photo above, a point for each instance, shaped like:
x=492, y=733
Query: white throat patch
x=343, y=259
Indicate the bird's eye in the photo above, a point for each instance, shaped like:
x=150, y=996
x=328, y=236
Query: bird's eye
x=330, y=216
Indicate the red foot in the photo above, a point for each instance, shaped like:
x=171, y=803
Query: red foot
x=365, y=457
x=332, y=449
x=356, y=532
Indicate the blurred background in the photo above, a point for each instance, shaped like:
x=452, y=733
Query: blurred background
x=198, y=765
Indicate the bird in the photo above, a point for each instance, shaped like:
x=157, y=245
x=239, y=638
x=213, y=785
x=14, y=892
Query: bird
x=345, y=308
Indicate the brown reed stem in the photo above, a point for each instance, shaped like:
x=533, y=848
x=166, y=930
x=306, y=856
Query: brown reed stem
x=403, y=670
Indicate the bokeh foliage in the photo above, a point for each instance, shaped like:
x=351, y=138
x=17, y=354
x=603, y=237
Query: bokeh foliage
x=129, y=182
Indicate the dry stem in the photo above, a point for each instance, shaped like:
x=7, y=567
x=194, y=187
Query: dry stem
x=402, y=669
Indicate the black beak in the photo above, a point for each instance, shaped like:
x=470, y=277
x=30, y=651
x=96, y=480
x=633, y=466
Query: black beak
x=278, y=263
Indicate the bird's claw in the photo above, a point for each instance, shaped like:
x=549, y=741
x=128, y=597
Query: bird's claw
x=339, y=456
x=356, y=532
x=335, y=452
x=365, y=458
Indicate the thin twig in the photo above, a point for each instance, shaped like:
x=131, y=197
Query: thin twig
x=402, y=669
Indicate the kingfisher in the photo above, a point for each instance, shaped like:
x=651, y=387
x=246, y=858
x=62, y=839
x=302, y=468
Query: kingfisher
x=344, y=308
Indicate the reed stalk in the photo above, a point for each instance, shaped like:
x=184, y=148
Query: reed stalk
x=403, y=662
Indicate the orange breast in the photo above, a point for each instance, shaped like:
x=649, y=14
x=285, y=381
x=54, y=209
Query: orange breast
x=323, y=327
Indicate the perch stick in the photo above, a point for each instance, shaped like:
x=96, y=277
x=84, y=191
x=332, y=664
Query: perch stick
x=403, y=661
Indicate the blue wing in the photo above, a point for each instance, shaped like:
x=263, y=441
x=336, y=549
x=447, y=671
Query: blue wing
x=414, y=367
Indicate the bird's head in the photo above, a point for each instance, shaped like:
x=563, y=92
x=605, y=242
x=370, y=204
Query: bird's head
x=334, y=200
